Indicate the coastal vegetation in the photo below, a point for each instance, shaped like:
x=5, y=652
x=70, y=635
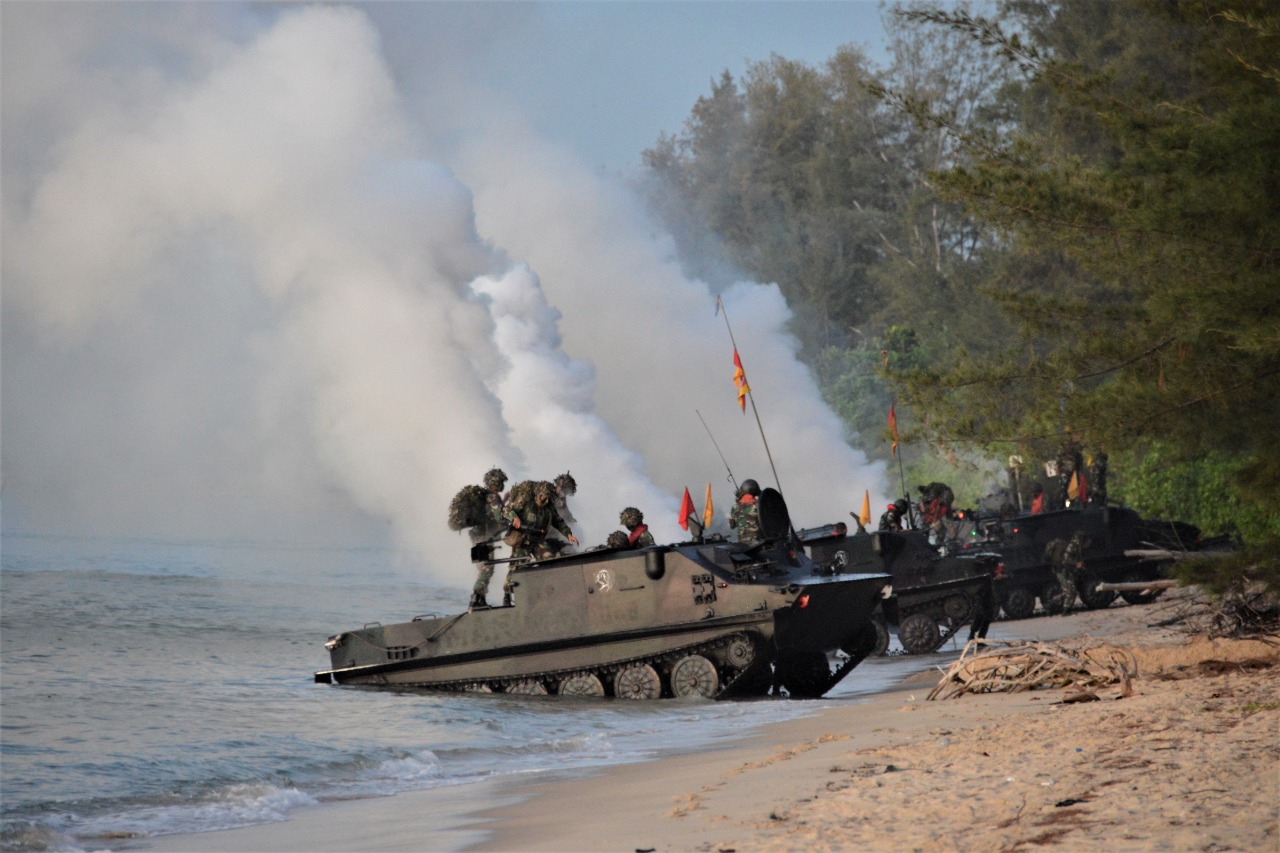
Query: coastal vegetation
x=1040, y=218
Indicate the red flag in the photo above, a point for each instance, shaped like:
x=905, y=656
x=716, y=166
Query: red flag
x=893, y=432
x=686, y=509
x=740, y=379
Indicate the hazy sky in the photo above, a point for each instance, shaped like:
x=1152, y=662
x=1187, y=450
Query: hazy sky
x=305, y=271
x=605, y=78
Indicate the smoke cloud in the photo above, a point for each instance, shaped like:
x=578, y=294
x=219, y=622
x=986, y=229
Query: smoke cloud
x=254, y=289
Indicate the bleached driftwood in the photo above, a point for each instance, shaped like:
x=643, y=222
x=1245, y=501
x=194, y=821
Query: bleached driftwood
x=1136, y=586
x=1015, y=666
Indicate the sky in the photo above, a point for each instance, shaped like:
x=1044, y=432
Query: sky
x=302, y=272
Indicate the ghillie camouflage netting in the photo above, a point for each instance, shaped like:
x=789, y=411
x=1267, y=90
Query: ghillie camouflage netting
x=469, y=508
x=522, y=493
x=617, y=539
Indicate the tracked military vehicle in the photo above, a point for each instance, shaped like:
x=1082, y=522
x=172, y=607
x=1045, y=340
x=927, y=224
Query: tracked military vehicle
x=713, y=619
x=933, y=594
x=1120, y=547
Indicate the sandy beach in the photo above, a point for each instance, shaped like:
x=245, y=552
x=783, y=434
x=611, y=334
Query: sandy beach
x=1189, y=760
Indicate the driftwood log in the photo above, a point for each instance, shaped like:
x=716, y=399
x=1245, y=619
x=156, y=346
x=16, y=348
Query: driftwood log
x=1014, y=666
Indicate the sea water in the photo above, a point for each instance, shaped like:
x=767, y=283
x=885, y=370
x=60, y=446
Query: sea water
x=151, y=687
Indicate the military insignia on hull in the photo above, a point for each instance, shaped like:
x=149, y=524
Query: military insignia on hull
x=604, y=580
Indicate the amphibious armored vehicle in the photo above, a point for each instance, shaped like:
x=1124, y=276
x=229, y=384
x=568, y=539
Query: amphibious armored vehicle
x=933, y=594
x=1120, y=547
x=713, y=619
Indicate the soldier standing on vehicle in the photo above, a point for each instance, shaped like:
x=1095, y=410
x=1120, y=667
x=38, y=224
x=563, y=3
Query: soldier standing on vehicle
x=566, y=487
x=745, y=515
x=1067, y=559
x=638, y=532
x=530, y=519
x=484, y=535
x=892, y=517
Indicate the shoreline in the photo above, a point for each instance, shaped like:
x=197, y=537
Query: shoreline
x=1192, y=758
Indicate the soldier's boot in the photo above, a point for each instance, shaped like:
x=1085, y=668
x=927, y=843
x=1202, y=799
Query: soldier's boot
x=507, y=600
x=478, y=600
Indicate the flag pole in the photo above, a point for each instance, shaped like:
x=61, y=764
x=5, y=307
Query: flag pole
x=893, y=448
x=720, y=308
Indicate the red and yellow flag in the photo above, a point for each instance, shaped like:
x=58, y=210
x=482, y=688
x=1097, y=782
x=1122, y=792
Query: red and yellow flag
x=740, y=379
x=686, y=509
x=893, y=432
x=709, y=511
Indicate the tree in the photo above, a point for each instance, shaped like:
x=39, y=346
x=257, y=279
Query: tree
x=1144, y=179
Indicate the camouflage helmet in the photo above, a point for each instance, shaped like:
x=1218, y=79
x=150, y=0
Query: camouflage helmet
x=749, y=487
x=543, y=489
x=495, y=478
x=566, y=485
x=617, y=539
x=900, y=505
x=631, y=517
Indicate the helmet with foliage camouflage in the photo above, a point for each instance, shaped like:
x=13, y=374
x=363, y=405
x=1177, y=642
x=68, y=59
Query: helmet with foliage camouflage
x=566, y=485
x=543, y=490
x=617, y=539
x=630, y=517
x=495, y=478
x=468, y=508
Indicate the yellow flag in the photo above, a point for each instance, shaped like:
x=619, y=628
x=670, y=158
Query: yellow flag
x=1073, y=488
x=709, y=512
x=865, y=518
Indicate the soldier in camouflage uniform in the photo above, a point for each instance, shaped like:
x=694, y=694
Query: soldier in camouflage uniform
x=891, y=519
x=638, y=532
x=745, y=515
x=566, y=487
x=529, y=525
x=1067, y=559
x=482, y=537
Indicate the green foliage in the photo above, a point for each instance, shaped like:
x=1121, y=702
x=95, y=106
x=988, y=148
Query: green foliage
x=1144, y=177
x=1203, y=490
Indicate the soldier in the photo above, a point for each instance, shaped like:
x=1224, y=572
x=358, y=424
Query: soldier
x=892, y=517
x=530, y=521
x=1037, y=499
x=745, y=515
x=566, y=487
x=482, y=536
x=639, y=535
x=1067, y=558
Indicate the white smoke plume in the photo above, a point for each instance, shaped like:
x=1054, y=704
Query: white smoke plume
x=239, y=301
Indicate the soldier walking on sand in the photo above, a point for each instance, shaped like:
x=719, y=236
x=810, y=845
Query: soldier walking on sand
x=1067, y=559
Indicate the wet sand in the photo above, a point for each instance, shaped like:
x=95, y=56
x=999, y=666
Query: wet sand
x=1189, y=761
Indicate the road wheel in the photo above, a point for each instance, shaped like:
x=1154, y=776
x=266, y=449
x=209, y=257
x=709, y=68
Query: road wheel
x=740, y=652
x=1052, y=598
x=882, y=635
x=919, y=634
x=694, y=676
x=1090, y=596
x=959, y=608
x=637, y=682
x=583, y=684
x=1019, y=603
